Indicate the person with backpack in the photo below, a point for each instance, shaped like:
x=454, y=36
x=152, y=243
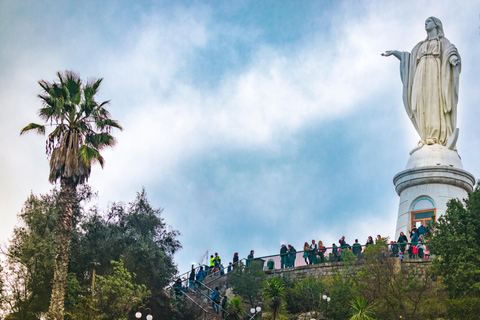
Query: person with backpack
x=215, y=297
x=200, y=276
x=292, y=255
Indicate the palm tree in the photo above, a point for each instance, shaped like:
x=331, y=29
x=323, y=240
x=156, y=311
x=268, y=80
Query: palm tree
x=235, y=309
x=274, y=297
x=81, y=129
x=361, y=310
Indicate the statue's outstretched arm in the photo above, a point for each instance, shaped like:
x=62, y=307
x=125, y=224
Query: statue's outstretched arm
x=395, y=53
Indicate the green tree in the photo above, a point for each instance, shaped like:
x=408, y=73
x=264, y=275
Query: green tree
x=137, y=234
x=456, y=243
x=81, y=130
x=30, y=255
x=274, y=298
x=306, y=296
x=394, y=291
x=117, y=294
x=247, y=281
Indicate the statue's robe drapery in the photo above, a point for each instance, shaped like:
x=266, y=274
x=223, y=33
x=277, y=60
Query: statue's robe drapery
x=430, y=89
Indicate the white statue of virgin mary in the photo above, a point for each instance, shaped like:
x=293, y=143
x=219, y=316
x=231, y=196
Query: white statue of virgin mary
x=430, y=86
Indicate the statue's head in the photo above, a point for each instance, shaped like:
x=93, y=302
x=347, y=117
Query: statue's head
x=436, y=23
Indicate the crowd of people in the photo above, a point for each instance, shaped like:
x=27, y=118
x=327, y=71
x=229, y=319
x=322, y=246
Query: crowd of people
x=313, y=253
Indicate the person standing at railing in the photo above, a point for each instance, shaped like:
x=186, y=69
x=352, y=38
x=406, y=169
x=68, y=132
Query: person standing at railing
x=292, y=255
x=394, y=248
x=342, y=242
x=211, y=266
x=369, y=241
x=357, y=250
x=420, y=247
x=200, y=276
x=306, y=249
x=191, y=280
x=235, y=260
x=283, y=256
x=217, y=262
x=250, y=258
x=414, y=238
x=321, y=251
x=313, y=252
x=422, y=230
x=402, y=239
x=334, y=252
x=414, y=229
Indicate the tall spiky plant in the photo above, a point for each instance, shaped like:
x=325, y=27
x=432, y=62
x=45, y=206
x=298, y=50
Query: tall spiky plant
x=81, y=128
x=361, y=310
x=274, y=298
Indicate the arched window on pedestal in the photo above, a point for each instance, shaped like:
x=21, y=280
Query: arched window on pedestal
x=423, y=210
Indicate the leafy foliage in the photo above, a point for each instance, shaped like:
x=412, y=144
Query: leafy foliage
x=394, y=291
x=306, y=296
x=247, y=281
x=463, y=308
x=116, y=294
x=457, y=244
x=182, y=310
x=135, y=233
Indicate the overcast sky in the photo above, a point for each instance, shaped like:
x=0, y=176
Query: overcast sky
x=252, y=123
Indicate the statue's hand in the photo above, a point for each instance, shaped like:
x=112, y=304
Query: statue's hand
x=454, y=61
x=394, y=53
x=387, y=53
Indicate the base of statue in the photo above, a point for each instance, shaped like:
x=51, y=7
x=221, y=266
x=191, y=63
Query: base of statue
x=434, y=175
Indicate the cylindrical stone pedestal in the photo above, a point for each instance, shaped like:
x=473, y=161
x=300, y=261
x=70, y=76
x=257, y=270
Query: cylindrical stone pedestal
x=433, y=176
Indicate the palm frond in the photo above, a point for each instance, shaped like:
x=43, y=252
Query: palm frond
x=100, y=140
x=108, y=124
x=40, y=129
x=88, y=154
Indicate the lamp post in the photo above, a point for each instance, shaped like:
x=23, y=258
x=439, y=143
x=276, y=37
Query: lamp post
x=255, y=311
x=139, y=315
x=327, y=300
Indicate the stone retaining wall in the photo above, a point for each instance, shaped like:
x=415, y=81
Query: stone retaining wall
x=418, y=267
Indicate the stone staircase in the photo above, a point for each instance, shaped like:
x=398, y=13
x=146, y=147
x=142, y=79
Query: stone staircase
x=201, y=297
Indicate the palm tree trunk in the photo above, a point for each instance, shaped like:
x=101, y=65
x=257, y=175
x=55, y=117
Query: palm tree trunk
x=67, y=199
